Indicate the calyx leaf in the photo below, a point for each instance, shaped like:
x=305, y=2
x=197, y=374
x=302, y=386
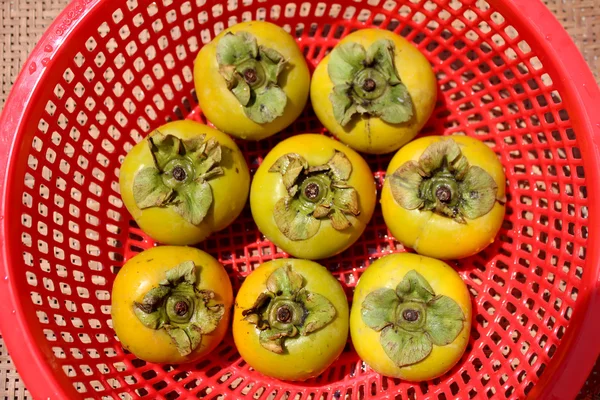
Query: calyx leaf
x=272, y=339
x=379, y=308
x=444, y=320
x=367, y=82
x=285, y=280
x=181, y=340
x=345, y=62
x=478, y=191
x=403, y=347
x=233, y=49
x=314, y=193
x=394, y=106
x=340, y=166
x=287, y=309
x=180, y=308
x=149, y=190
x=180, y=175
x=381, y=53
x=414, y=287
x=164, y=148
x=319, y=311
x=442, y=180
x=290, y=166
x=267, y=104
x=292, y=222
x=193, y=201
x=184, y=272
x=412, y=318
x=343, y=104
x=251, y=72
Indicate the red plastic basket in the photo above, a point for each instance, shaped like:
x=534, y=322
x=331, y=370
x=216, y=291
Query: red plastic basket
x=108, y=71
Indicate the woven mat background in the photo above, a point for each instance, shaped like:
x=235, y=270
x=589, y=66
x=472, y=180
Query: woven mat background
x=24, y=21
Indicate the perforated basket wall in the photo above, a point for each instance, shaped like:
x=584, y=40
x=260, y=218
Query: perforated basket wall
x=125, y=67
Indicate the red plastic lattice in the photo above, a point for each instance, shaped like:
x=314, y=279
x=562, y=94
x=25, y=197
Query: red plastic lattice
x=128, y=68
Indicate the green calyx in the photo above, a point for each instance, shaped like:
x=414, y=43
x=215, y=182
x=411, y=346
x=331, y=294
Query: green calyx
x=367, y=82
x=178, y=307
x=180, y=175
x=443, y=181
x=287, y=309
x=412, y=319
x=314, y=193
x=251, y=73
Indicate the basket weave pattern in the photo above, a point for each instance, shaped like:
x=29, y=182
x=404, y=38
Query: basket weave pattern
x=126, y=83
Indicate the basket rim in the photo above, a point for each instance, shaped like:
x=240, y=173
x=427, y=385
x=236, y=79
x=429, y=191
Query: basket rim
x=574, y=358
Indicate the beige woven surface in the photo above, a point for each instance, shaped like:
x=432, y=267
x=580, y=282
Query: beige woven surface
x=24, y=21
x=581, y=18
